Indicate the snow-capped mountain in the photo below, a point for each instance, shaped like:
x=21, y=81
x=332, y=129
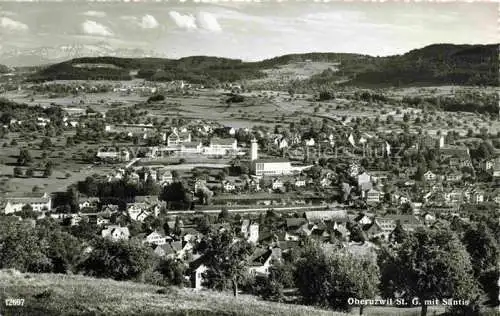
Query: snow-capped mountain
x=50, y=55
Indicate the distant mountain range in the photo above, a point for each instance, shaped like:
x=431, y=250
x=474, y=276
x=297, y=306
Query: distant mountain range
x=440, y=64
x=55, y=54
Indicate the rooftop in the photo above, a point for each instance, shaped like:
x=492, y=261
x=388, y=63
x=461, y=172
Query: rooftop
x=271, y=160
x=222, y=141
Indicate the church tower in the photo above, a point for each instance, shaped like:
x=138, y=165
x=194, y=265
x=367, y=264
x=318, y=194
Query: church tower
x=254, y=147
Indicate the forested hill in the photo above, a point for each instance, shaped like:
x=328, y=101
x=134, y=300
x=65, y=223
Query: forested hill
x=439, y=64
x=195, y=69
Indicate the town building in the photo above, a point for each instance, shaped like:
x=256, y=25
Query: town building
x=15, y=204
x=113, y=154
x=221, y=146
x=278, y=166
x=373, y=196
x=116, y=232
x=177, y=137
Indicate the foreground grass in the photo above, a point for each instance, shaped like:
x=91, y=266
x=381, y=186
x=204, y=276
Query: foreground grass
x=55, y=294
x=59, y=294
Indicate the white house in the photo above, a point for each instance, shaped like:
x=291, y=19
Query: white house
x=88, y=202
x=310, y=142
x=363, y=219
x=15, y=204
x=221, y=146
x=228, y=186
x=139, y=211
x=282, y=143
x=195, y=147
x=164, y=177
x=363, y=179
x=155, y=238
x=277, y=184
x=373, y=196
x=250, y=231
x=177, y=137
x=116, y=232
x=430, y=176
x=262, y=260
x=121, y=155
x=197, y=276
x=299, y=183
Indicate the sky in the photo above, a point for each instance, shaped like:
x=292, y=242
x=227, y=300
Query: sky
x=242, y=30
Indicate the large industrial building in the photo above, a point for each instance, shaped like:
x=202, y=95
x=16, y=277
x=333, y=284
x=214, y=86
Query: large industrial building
x=270, y=167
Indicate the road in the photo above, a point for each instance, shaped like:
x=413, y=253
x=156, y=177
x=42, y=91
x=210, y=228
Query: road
x=253, y=210
x=245, y=210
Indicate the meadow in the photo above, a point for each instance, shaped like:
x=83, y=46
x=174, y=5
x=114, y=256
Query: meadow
x=58, y=294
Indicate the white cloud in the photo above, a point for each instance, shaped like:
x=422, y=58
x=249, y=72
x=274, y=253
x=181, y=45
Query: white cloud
x=208, y=22
x=149, y=22
x=183, y=21
x=93, y=28
x=7, y=13
x=146, y=22
x=202, y=20
x=97, y=14
x=12, y=25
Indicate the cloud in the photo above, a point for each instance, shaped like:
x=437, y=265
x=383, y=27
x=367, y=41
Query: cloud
x=183, y=21
x=93, y=28
x=12, y=25
x=97, y=14
x=202, y=20
x=208, y=22
x=146, y=22
x=149, y=22
x=7, y=13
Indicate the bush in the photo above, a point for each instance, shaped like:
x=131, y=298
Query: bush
x=235, y=98
x=156, y=98
x=122, y=260
x=31, y=249
x=172, y=272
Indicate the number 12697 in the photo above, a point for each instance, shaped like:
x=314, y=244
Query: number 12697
x=14, y=302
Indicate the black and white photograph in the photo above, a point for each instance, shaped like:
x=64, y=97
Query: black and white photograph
x=249, y=158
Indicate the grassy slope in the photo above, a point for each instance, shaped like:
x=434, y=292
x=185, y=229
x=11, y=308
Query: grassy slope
x=52, y=294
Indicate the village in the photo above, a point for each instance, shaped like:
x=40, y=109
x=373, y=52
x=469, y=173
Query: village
x=341, y=184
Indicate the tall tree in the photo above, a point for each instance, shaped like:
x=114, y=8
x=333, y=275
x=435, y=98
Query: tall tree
x=482, y=247
x=430, y=264
x=226, y=260
x=123, y=260
x=485, y=255
x=329, y=279
x=24, y=158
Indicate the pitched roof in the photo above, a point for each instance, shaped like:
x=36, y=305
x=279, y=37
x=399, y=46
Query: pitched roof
x=27, y=199
x=171, y=247
x=193, y=144
x=272, y=160
x=222, y=141
x=146, y=198
x=295, y=222
x=335, y=215
x=259, y=256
